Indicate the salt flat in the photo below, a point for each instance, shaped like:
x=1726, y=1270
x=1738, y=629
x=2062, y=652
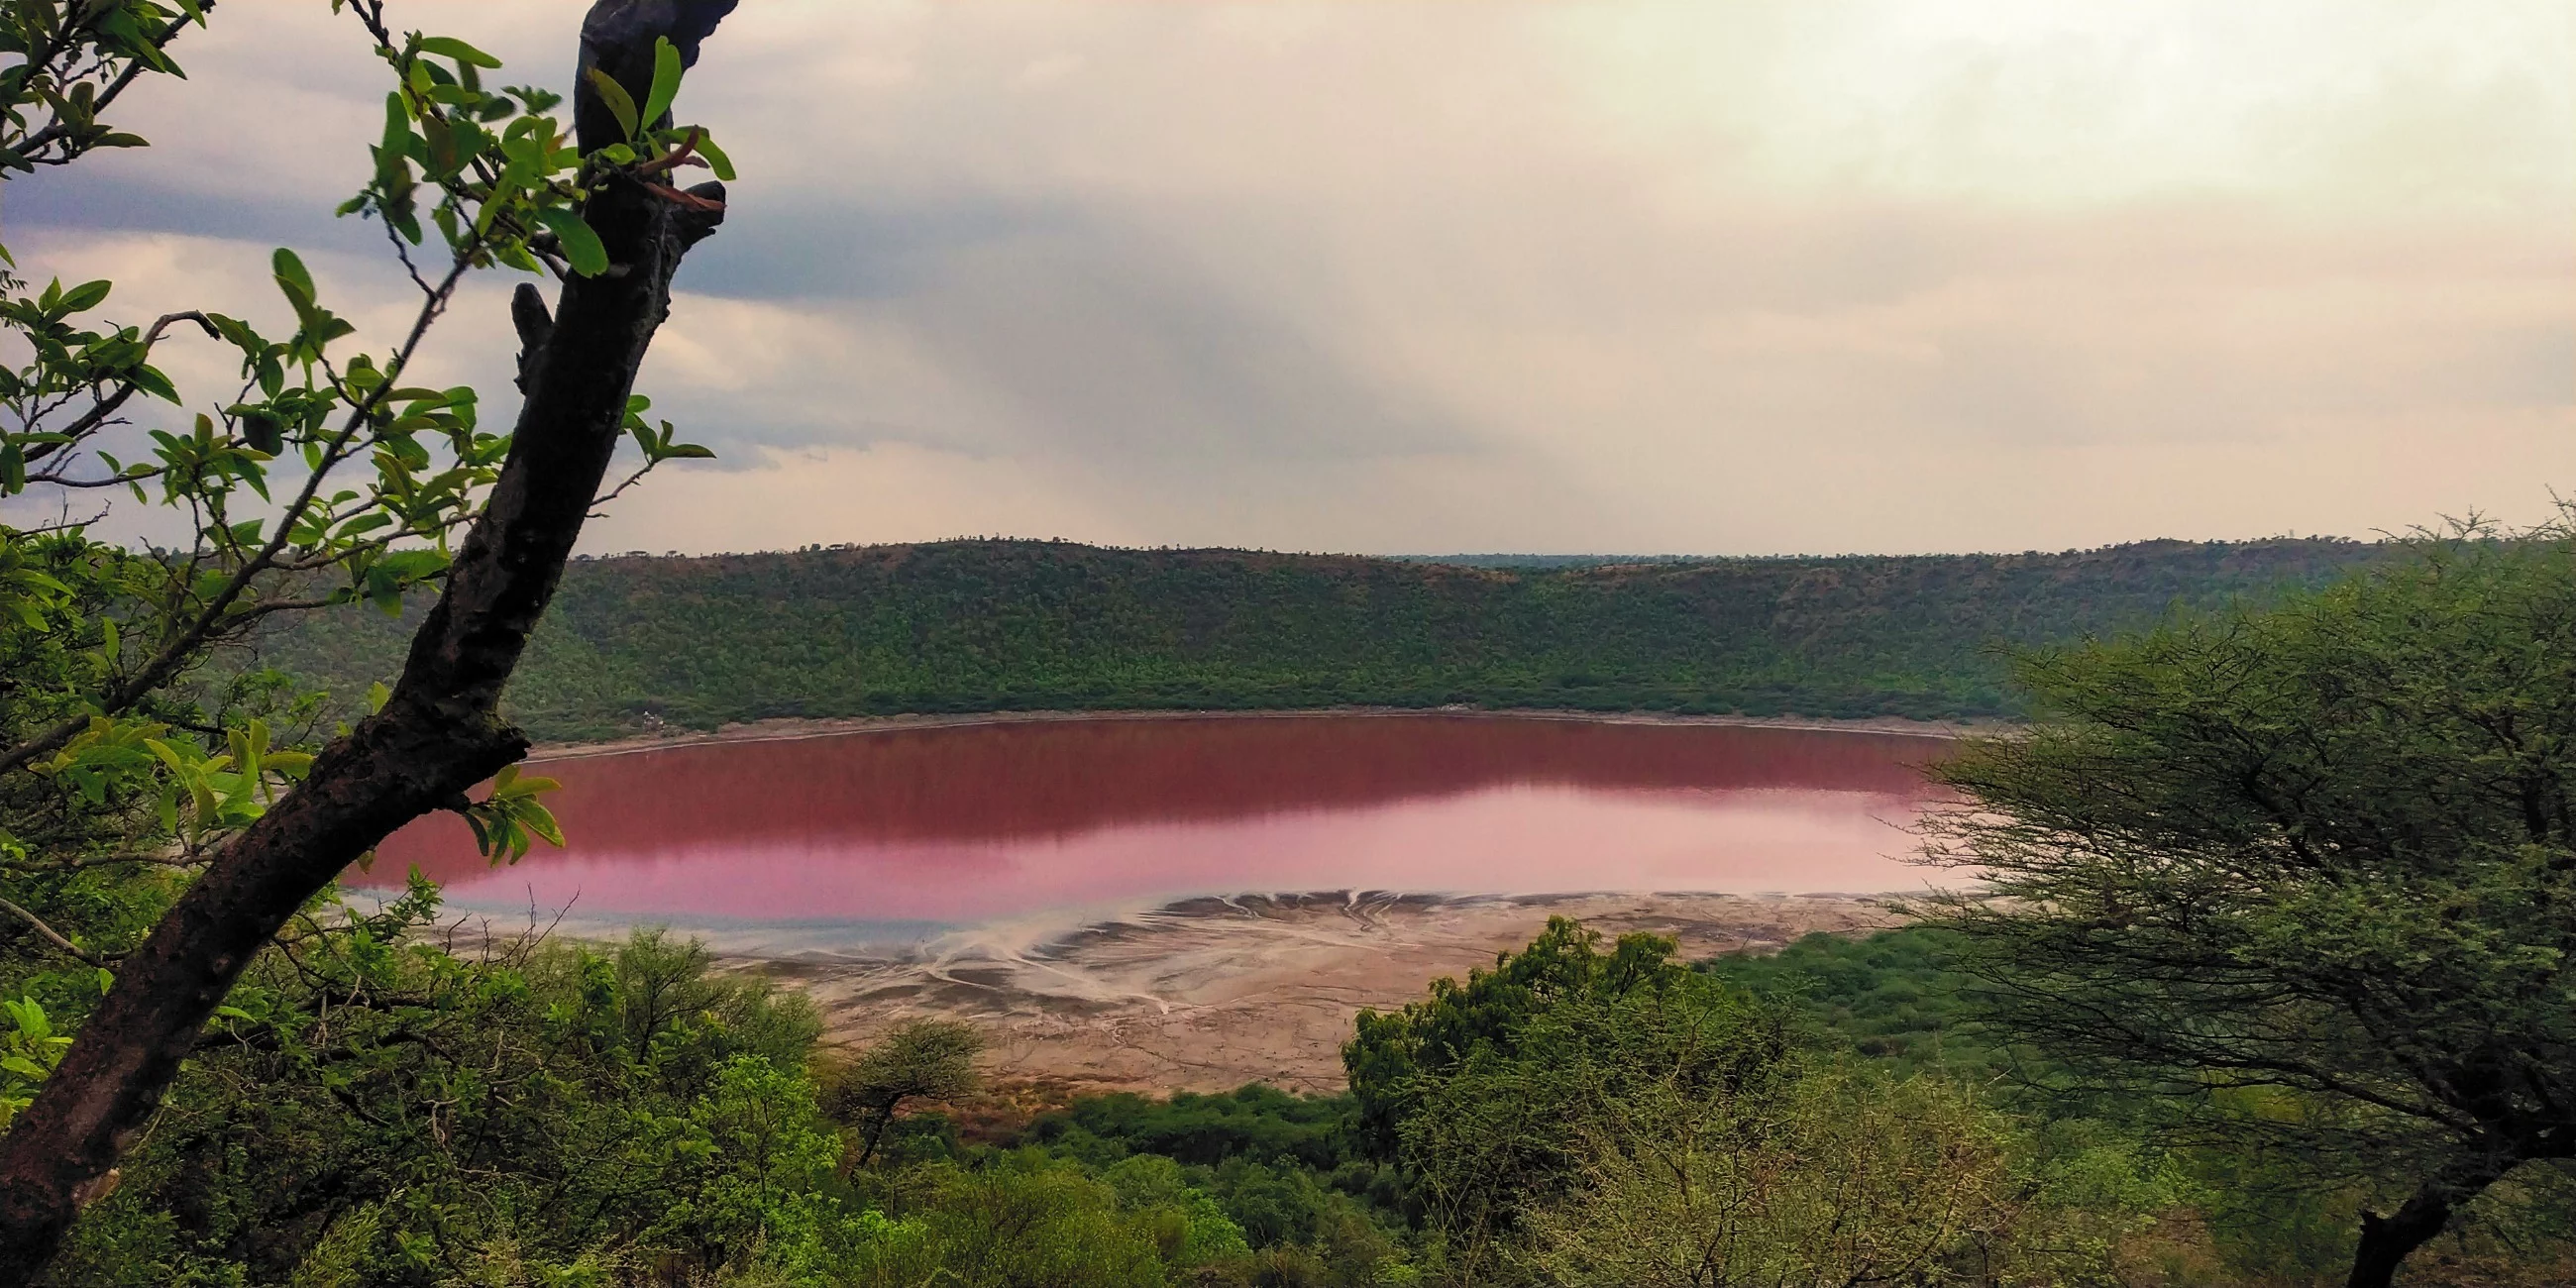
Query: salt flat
x=1208, y=994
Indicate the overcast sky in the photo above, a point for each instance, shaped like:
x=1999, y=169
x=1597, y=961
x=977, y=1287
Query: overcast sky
x=1453, y=275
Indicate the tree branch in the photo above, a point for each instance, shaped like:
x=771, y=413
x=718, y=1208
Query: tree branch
x=51, y=935
x=98, y=413
x=210, y=619
x=438, y=734
x=56, y=132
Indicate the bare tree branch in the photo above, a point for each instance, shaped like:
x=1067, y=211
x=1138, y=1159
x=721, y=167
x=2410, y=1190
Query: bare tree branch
x=51, y=935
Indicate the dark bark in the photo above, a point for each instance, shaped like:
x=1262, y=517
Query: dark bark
x=877, y=1124
x=2386, y=1241
x=617, y=38
x=438, y=735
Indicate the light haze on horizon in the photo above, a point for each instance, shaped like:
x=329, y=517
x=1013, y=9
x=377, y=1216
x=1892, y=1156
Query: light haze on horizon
x=1433, y=276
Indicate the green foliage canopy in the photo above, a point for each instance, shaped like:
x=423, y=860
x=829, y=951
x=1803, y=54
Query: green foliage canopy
x=375, y=1108
x=1472, y=1090
x=2306, y=876
x=1576, y=1116
x=916, y=1059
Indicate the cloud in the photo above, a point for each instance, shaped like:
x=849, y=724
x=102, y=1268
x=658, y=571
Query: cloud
x=1641, y=275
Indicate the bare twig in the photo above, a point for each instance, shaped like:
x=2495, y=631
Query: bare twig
x=51, y=935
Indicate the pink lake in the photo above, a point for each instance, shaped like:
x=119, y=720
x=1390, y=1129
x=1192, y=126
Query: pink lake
x=975, y=823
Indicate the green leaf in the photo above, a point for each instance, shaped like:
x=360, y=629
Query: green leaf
x=620, y=104
x=666, y=81
x=84, y=297
x=450, y=47
x=445, y=158
x=377, y=696
x=540, y=820
x=33, y=1023
x=291, y=277
x=581, y=246
x=396, y=143
x=517, y=787
x=717, y=161
x=263, y=433
x=152, y=382
x=203, y=798
x=410, y=565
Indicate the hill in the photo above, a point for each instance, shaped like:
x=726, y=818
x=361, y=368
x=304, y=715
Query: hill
x=634, y=641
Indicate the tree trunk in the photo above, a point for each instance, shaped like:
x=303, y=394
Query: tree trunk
x=438, y=735
x=876, y=1131
x=2386, y=1241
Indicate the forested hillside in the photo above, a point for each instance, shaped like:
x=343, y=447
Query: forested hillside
x=1004, y=625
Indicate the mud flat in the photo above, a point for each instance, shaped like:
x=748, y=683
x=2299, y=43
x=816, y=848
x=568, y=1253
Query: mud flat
x=1208, y=994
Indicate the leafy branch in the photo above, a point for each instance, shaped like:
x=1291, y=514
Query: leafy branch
x=494, y=174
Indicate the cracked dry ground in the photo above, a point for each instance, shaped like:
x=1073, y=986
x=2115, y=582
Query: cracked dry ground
x=1209, y=994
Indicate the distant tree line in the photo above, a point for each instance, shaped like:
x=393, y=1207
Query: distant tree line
x=637, y=641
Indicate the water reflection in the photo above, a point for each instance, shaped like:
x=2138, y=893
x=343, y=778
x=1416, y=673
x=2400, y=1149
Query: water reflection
x=962, y=824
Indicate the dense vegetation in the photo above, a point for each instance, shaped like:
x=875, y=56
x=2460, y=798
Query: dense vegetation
x=1894, y=997
x=2303, y=878
x=1000, y=625
x=2250, y=1214
x=520, y=1114
x=381, y=1105
x=364, y=1113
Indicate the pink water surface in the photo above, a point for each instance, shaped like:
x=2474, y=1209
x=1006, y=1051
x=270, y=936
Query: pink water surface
x=967, y=824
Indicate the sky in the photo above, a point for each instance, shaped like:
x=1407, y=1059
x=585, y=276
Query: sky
x=1425, y=276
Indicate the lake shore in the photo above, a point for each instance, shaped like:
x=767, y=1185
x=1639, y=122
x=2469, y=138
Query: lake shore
x=1208, y=994
x=793, y=729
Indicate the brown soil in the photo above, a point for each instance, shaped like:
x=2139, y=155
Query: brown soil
x=1210, y=994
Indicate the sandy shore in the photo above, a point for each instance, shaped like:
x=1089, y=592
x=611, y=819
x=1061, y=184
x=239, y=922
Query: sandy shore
x=1212, y=993
x=788, y=729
